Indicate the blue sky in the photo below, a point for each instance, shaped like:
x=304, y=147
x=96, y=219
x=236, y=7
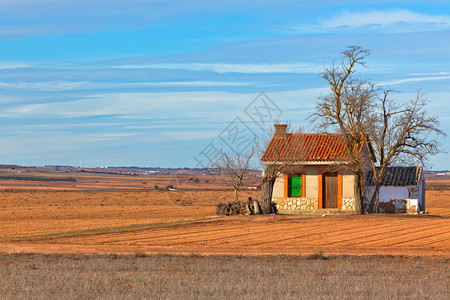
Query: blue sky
x=155, y=83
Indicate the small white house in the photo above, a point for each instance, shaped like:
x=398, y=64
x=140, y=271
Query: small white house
x=402, y=190
x=255, y=186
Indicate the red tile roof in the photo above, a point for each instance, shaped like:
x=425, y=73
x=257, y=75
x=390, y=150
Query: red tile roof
x=306, y=147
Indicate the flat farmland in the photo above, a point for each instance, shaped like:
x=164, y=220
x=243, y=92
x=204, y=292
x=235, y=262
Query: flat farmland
x=107, y=220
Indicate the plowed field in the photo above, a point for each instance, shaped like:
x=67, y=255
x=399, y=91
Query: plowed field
x=184, y=222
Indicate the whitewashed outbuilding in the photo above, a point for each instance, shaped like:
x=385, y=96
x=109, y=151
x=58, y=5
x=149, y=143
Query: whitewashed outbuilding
x=402, y=190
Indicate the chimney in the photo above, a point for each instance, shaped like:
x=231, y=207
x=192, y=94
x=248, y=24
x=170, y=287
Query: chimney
x=280, y=130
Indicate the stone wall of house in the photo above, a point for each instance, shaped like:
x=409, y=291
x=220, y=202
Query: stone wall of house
x=308, y=203
x=296, y=203
x=348, y=203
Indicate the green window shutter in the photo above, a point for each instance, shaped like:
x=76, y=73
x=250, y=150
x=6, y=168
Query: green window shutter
x=295, y=186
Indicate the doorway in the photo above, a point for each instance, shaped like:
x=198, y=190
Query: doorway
x=330, y=190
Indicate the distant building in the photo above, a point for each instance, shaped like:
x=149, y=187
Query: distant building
x=255, y=186
x=443, y=174
x=152, y=172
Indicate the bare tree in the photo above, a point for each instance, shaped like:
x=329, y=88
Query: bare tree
x=346, y=109
x=366, y=116
x=236, y=165
x=400, y=134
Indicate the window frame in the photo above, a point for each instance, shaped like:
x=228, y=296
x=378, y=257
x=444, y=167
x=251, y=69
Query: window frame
x=287, y=177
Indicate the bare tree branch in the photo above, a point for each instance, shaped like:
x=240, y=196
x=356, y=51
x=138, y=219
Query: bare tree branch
x=236, y=165
x=398, y=133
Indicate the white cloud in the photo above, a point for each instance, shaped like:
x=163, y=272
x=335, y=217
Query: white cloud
x=55, y=142
x=49, y=86
x=191, y=135
x=169, y=103
x=415, y=79
x=378, y=20
x=54, y=86
x=25, y=109
x=12, y=65
x=428, y=74
x=233, y=68
x=104, y=137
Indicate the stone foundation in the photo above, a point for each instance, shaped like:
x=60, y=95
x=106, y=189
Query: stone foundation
x=308, y=203
x=296, y=203
x=348, y=203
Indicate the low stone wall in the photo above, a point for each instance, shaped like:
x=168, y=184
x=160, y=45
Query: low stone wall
x=348, y=203
x=408, y=206
x=296, y=203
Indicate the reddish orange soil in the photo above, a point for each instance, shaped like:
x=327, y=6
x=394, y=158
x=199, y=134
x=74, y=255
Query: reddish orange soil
x=30, y=213
x=297, y=235
x=26, y=215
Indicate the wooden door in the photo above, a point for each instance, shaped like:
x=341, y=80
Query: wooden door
x=330, y=190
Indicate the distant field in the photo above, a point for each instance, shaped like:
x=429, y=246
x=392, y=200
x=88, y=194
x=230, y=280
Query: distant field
x=90, y=181
x=440, y=183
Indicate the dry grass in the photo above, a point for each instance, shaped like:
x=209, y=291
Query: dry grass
x=138, y=276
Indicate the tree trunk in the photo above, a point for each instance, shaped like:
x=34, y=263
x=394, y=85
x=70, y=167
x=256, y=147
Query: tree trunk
x=360, y=205
x=256, y=207
x=266, y=195
x=374, y=200
x=236, y=196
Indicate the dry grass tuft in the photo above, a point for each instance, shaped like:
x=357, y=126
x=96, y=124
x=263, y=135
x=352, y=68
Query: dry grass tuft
x=317, y=256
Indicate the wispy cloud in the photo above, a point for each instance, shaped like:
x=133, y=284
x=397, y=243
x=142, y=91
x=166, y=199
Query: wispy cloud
x=378, y=21
x=12, y=65
x=233, y=68
x=191, y=135
x=49, y=86
x=428, y=74
x=415, y=79
x=151, y=104
x=53, y=86
x=56, y=142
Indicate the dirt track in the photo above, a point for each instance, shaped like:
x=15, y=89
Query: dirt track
x=32, y=213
